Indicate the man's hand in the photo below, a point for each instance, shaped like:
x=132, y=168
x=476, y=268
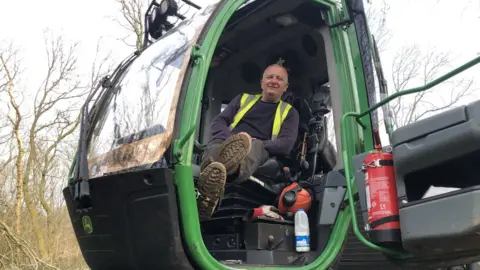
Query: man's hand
x=267, y=211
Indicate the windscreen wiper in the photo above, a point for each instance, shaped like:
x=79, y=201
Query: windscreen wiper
x=103, y=90
x=107, y=89
x=383, y=89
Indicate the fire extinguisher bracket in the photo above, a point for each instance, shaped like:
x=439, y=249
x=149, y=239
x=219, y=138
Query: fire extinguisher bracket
x=384, y=220
x=376, y=164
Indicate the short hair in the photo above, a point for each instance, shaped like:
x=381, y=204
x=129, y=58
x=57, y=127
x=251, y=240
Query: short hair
x=280, y=63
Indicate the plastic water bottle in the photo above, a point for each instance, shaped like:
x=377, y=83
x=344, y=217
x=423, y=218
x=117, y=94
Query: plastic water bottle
x=302, y=231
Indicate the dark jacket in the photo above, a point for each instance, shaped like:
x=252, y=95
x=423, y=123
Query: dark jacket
x=258, y=123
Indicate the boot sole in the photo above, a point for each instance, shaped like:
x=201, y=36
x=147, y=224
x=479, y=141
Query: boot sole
x=234, y=149
x=211, y=185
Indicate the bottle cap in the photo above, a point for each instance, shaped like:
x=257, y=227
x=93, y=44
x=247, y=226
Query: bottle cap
x=300, y=210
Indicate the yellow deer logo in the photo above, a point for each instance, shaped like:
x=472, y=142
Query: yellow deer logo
x=87, y=224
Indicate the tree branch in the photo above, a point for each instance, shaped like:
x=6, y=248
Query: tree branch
x=16, y=131
x=412, y=68
x=132, y=11
x=24, y=247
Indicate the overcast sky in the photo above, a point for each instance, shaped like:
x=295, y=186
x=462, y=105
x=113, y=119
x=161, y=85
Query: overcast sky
x=442, y=25
x=447, y=25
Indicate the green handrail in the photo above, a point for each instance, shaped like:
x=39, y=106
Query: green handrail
x=344, y=130
x=422, y=88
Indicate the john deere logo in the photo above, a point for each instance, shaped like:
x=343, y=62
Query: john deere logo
x=87, y=224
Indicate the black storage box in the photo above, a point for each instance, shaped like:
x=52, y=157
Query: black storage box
x=263, y=235
x=441, y=151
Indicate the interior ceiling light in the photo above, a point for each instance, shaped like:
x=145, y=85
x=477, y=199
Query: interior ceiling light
x=286, y=20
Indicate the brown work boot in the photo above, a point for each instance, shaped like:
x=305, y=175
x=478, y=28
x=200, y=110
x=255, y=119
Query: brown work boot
x=210, y=187
x=234, y=150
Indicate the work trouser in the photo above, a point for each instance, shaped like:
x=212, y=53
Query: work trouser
x=255, y=158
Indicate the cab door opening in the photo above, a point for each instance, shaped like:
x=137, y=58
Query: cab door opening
x=258, y=35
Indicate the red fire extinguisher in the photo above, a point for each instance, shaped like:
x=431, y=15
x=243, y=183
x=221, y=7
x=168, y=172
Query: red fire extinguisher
x=381, y=195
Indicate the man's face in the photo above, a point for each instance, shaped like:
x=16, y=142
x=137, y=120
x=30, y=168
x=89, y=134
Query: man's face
x=274, y=83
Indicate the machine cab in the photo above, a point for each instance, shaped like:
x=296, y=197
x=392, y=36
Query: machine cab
x=132, y=194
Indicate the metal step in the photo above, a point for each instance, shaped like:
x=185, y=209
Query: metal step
x=357, y=256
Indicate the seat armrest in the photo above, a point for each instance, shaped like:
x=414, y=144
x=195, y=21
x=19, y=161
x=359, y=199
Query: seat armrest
x=198, y=148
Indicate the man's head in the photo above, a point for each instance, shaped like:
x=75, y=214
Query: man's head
x=274, y=83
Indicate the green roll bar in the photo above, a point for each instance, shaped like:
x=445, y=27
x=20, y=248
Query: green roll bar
x=344, y=130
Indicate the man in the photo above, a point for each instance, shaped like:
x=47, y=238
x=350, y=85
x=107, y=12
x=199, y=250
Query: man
x=245, y=134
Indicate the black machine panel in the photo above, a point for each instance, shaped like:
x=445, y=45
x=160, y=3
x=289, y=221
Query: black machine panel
x=134, y=223
x=441, y=151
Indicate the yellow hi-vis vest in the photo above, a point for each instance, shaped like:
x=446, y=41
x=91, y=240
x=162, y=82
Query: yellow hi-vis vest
x=246, y=104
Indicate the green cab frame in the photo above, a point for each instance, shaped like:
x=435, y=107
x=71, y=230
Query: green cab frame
x=353, y=98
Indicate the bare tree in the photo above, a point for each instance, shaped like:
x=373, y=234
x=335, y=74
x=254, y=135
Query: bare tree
x=17, y=243
x=6, y=156
x=59, y=88
x=40, y=129
x=132, y=12
x=10, y=69
x=413, y=67
x=377, y=19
